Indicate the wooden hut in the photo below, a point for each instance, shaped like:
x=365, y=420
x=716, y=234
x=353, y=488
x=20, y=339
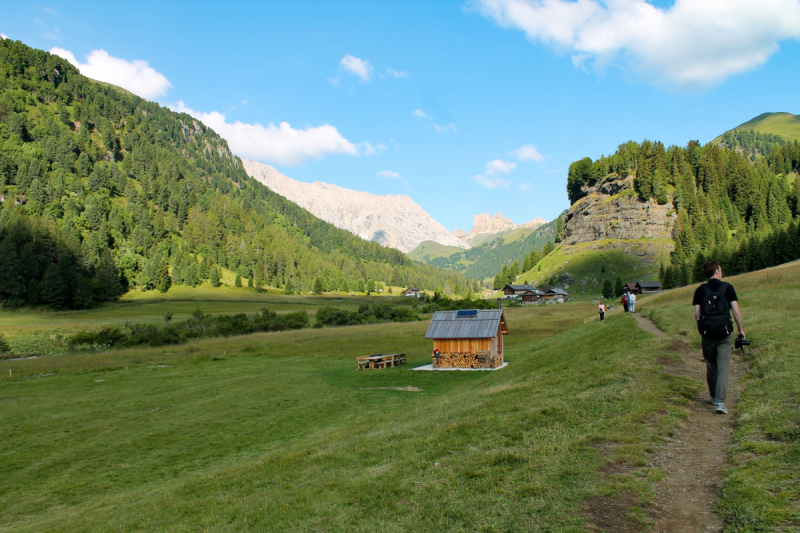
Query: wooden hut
x=649, y=286
x=531, y=297
x=469, y=338
x=517, y=290
x=413, y=292
x=556, y=295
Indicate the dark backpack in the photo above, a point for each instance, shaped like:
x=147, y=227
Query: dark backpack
x=715, y=317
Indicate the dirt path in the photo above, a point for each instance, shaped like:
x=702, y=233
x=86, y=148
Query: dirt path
x=695, y=458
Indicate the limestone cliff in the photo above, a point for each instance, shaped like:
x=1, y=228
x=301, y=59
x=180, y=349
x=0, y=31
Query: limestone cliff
x=394, y=221
x=612, y=210
x=484, y=225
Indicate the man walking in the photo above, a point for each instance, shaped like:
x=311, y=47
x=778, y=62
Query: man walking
x=632, y=302
x=713, y=302
x=625, y=302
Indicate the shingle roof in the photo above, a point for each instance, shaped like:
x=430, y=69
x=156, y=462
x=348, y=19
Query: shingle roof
x=521, y=287
x=560, y=292
x=445, y=325
x=650, y=284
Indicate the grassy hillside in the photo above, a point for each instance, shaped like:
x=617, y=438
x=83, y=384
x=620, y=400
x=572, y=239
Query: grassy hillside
x=582, y=268
x=428, y=250
x=784, y=125
x=484, y=260
x=101, y=191
x=762, y=487
x=277, y=432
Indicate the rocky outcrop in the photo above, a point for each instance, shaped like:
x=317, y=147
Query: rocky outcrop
x=394, y=221
x=611, y=209
x=485, y=224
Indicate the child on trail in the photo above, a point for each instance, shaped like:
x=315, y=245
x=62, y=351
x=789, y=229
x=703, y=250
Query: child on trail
x=713, y=302
x=625, y=302
x=602, y=308
x=632, y=302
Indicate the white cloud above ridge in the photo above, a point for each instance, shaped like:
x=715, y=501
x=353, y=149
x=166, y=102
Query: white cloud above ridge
x=136, y=76
x=491, y=183
x=439, y=128
x=528, y=153
x=396, y=73
x=419, y=113
x=388, y=174
x=281, y=144
x=3, y=36
x=691, y=43
x=499, y=166
x=361, y=68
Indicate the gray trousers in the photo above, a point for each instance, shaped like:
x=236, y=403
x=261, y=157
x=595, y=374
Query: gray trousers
x=717, y=353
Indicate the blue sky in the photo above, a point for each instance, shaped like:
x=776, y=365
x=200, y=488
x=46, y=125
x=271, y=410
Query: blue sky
x=436, y=99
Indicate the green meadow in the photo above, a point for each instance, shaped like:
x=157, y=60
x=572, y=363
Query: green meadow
x=279, y=432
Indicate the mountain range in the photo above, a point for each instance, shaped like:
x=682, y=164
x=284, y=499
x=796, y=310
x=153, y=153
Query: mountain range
x=392, y=221
x=484, y=227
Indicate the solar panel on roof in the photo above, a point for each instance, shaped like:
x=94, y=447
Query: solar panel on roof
x=466, y=312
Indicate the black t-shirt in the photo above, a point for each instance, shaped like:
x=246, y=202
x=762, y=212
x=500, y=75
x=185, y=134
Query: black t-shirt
x=713, y=284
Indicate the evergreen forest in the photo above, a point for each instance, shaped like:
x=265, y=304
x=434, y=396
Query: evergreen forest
x=736, y=202
x=102, y=191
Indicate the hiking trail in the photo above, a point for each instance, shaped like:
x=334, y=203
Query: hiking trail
x=695, y=458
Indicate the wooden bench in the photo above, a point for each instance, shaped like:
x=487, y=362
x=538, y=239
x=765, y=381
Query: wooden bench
x=380, y=360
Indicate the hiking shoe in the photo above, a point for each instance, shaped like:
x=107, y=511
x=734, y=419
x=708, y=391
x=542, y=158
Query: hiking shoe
x=713, y=401
x=721, y=410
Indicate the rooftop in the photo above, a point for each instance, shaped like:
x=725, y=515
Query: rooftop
x=482, y=324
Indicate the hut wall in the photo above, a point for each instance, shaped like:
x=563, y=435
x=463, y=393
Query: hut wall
x=472, y=346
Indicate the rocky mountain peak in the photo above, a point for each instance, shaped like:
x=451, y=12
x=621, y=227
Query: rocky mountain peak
x=394, y=221
x=486, y=224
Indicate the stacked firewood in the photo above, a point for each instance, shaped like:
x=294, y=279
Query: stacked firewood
x=463, y=360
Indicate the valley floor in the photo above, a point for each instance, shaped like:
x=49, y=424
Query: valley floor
x=278, y=432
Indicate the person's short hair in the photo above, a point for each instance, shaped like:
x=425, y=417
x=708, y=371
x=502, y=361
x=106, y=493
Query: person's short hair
x=710, y=267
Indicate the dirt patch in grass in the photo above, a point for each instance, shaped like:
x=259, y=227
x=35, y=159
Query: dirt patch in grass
x=610, y=513
x=616, y=468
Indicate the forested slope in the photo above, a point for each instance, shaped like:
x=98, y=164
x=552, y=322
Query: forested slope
x=739, y=210
x=101, y=190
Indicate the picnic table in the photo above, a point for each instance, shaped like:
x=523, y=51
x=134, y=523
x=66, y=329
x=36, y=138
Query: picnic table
x=380, y=360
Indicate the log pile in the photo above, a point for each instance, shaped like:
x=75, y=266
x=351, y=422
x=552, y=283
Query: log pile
x=464, y=360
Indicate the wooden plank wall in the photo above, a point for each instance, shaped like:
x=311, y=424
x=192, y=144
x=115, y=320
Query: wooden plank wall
x=461, y=345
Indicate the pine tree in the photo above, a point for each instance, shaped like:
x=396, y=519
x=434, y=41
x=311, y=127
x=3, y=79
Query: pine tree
x=238, y=281
x=608, y=289
x=250, y=282
x=106, y=279
x=618, y=287
x=318, y=286
x=549, y=247
x=214, y=277
x=698, y=276
x=163, y=280
x=498, y=282
x=370, y=286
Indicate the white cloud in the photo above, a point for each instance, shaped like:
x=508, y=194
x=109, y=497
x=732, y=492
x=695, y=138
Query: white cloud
x=281, y=144
x=395, y=73
x=442, y=129
x=691, y=43
x=137, y=76
x=388, y=174
x=491, y=183
x=357, y=66
x=528, y=153
x=499, y=166
x=419, y=113
x=526, y=187
x=50, y=10
x=3, y=36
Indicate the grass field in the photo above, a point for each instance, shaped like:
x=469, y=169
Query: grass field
x=761, y=491
x=277, y=432
x=785, y=125
x=427, y=250
x=585, y=263
x=39, y=332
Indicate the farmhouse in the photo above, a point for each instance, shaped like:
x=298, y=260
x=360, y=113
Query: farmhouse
x=530, y=297
x=556, y=295
x=517, y=290
x=642, y=287
x=649, y=286
x=469, y=338
x=413, y=292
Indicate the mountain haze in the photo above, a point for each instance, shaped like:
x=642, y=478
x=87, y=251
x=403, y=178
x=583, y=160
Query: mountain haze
x=392, y=221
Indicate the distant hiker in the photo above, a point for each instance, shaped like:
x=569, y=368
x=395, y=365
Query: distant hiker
x=602, y=308
x=625, y=302
x=713, y=302
x=632, y=303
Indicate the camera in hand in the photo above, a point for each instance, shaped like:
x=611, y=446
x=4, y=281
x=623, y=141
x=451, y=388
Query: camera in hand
x=740, y=342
